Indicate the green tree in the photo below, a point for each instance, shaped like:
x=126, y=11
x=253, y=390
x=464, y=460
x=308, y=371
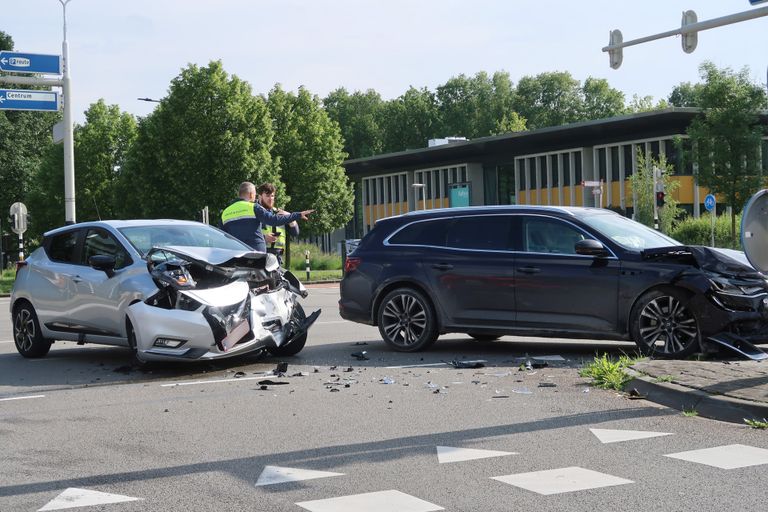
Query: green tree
x=644, y=104
x=409, y=121
x=685, y=95
x=476, y=106
x=600, y=100
x=357, y=115
x=309, y=147
x=549, y=99
x=644, y=195
x=726, y=136
x=101, y=145
x=209, y=134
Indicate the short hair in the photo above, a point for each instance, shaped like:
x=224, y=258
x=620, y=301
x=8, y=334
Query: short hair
x=246, y=188
x=267, y=188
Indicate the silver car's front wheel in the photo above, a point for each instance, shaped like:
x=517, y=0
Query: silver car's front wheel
x=26, y=332
x=407, y=320
x=664, y=326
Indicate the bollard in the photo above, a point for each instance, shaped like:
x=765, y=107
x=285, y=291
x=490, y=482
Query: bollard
x=306, y=254
x=21, y=247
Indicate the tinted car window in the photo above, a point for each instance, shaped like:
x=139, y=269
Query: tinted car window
x=550, y=236
x=63, y=247
x=99, y=242
x=428, y=232
x=487, y=232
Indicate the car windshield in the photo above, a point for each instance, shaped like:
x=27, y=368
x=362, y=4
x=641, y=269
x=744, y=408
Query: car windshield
x=143, y=238
x=628, y=233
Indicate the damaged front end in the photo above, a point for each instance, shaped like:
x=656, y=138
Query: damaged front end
x=729, y=299
x=215, y=303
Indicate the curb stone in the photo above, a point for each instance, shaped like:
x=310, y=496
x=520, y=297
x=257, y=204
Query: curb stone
x=675, y=396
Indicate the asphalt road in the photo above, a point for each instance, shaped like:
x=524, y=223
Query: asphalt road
x=200, y=437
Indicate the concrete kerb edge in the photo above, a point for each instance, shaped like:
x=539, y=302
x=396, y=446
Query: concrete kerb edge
x=675, y=396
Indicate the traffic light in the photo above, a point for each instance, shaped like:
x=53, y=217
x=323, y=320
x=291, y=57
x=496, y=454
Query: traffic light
x=659, y=199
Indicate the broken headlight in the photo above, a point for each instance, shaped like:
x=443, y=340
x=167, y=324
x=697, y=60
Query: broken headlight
x=173, y=273
x=739, y=295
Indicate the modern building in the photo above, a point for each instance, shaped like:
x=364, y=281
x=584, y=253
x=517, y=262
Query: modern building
x=581, y=164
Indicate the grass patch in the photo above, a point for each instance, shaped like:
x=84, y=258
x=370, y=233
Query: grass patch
x=664, y=378
x=760, y=425
x=690, y=413
x=608, y=373
x=6, y=280
x=318, y=275
x=318, y=260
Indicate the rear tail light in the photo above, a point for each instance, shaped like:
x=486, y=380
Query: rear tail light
x=20, y=265
x=351, y=264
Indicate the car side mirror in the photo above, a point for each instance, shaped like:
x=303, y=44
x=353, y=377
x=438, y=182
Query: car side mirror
x=591, y=248
x=103, y=262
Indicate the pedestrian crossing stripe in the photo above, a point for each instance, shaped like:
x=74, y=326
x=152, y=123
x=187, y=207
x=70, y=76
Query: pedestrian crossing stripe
x=616, y=436
x=447, y=454
x=278, y=475
x=74, y=498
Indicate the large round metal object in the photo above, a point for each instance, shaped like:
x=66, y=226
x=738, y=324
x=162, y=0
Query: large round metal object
x=754, y=230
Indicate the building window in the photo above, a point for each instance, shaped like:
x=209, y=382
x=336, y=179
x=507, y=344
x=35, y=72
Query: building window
x=566, y=169
x=543, y=171
x=532, y=170
x=629, y=159
x=577, y=166
x=615, y=164
x=554, y=167
x=521, y=173
x=601, y=164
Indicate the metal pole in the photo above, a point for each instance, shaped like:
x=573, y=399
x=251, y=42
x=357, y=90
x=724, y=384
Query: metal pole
x=69, y=145
x=696, y=27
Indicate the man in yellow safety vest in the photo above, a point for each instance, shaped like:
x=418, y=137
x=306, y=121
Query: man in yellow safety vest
x=275, y=236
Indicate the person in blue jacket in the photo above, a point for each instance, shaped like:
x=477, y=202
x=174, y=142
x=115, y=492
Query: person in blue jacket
x=243, y=218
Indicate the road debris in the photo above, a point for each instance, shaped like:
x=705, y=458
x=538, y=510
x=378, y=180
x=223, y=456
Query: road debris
x=547, y=385
x=467, y=364
x=387, y=380
x=360, y=356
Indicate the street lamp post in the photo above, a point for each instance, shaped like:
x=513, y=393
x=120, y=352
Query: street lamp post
x=148, y=99
x=69, y=145
x=416, y=188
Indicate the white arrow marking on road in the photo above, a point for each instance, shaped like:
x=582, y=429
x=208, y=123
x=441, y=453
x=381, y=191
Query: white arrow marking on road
x=73, y=498
x=277, y=475
x=451, y=454
x=21, y=397
x=616, y=436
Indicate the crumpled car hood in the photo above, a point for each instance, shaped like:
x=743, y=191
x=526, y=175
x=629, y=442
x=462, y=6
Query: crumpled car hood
x=726, y=262
x=219, y=257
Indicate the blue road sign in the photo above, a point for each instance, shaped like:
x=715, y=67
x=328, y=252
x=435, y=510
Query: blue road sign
x=17, y=62
x=11, y=99
x=709, y=202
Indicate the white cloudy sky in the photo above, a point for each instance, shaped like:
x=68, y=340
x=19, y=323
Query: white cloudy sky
x=125, y=49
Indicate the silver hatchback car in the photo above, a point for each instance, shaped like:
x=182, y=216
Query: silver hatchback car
x=167, y=289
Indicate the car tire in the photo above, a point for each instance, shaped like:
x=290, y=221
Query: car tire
x=297, y=344
x=485, y=338
x=136, y=360
x=27, y=336
x=407, y=320
x=664, y=326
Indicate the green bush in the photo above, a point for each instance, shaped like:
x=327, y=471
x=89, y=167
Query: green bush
x=691, y=231
x=6, y=280
x=318, y=260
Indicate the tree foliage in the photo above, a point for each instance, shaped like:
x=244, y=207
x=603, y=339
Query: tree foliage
x=726, y=137
x=358, y=116
x=409, y=121
x=309, y=148
x=644, y=194
x=101, y=145
x=206, y=137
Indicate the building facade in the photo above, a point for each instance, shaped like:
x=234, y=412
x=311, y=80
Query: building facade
x=582, y=164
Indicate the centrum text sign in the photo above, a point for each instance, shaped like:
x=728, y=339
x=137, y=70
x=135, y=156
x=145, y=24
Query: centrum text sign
x=13, y=99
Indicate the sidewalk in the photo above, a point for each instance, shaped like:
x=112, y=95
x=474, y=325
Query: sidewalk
x=722, y=390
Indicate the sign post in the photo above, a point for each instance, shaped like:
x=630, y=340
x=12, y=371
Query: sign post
x=710, y=203
x=18, y=213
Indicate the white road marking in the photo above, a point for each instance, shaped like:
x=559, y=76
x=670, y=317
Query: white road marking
x=73, y=498
x=616, y=436
x=215, y=381
x=556, y=481
x=21, y=397
x=450, y=454
x=726, y=457
x=278, y=475
x=382, y=501
x=432, y=364
x=6, y=341
x=333, y=322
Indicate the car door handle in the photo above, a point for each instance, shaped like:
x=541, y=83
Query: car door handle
x=442, y=266
x=529, y=270
x=75, y=278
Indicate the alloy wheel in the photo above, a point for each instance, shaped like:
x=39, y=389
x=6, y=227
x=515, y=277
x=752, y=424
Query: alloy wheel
x=24, y=331
x=666, y=326
x=404, y=320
